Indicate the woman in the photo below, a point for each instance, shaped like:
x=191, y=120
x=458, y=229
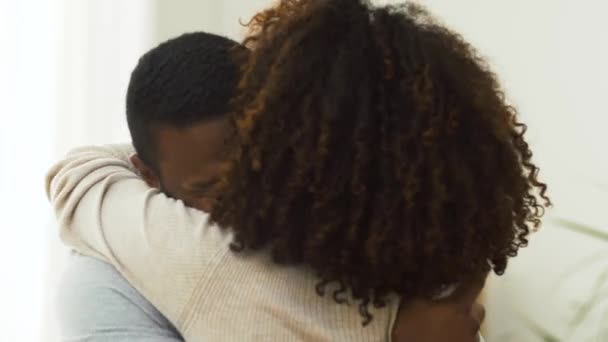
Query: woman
x=376, y=162
x=376, y=147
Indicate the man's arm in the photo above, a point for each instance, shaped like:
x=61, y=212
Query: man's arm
x=159, y=245
x=96, y=304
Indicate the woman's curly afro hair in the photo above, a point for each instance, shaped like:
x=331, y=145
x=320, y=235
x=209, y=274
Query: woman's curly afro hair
x=375, y=146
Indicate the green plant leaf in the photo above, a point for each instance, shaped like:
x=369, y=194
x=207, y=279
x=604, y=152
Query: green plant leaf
x=539, y=331
x=592, y=301
x=579, y=266
x=581, y=228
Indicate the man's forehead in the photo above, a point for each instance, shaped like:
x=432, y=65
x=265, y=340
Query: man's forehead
x=192, y=155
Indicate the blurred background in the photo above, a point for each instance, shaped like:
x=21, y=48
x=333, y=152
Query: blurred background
x=64, y=68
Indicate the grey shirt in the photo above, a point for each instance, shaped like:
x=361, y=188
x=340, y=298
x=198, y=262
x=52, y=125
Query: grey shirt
x=96, y=304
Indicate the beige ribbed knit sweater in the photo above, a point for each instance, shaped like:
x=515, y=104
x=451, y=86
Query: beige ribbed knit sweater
x=183, y=265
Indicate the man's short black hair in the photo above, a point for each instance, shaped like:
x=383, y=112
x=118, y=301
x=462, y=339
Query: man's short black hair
x=183, y=81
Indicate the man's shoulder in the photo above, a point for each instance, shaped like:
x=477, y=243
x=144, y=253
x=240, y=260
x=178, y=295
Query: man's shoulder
x=95, y=300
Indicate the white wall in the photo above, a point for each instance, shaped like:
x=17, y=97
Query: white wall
x=26, y=99
x=96, y=45
x=220, y=17
x=99, y=44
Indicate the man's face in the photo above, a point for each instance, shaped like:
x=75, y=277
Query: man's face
x=190, y=160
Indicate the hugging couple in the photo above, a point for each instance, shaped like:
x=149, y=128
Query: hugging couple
x=349, y=172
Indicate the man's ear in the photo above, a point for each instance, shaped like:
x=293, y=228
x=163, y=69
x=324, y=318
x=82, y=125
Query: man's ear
x=146, y=172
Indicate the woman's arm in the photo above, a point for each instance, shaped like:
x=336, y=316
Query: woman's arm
x=157, y=243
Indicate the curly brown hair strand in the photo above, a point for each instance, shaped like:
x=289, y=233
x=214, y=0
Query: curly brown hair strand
x=376, y=147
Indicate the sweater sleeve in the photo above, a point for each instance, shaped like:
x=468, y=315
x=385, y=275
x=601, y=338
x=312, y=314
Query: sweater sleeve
x=158, y=244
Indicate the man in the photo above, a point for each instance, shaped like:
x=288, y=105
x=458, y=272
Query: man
x=176, y=101
x=175, y=105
